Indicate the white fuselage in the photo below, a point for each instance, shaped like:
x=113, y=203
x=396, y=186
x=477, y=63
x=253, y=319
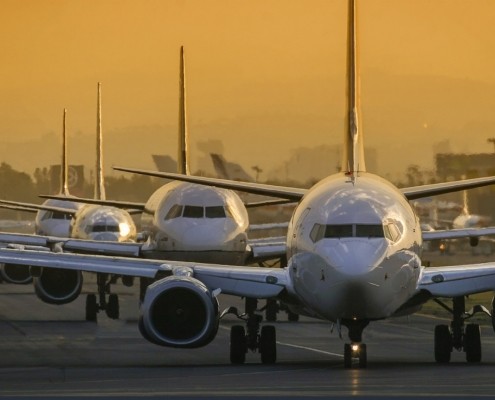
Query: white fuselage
x=197, y=223
x=95, y=222
x=53, y=223
x=354, y=249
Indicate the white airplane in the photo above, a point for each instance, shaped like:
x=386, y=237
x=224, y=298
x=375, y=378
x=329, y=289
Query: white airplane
x=70, y=219
x=353, y=250
x=189, y=222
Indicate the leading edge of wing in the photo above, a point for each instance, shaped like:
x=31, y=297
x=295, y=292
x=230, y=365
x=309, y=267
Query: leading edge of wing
x=417, y=192
x=284, y=192
x=458, y=280
x=110, y=203
x=35, y=207
x=458, y=233
x=253, y=282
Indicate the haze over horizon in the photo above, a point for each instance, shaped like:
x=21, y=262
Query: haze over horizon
x=264, y=77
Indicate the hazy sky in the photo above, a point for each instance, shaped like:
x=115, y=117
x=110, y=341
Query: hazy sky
x=265, y=76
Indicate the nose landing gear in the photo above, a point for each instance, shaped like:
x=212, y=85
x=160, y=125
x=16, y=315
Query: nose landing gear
x=356, y=350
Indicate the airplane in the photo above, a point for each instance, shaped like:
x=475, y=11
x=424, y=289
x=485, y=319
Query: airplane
x=189, y=222
x=58, y=219
x=50, y=220
x=354, y=256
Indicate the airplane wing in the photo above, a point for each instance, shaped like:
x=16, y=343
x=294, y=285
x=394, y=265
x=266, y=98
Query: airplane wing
x=459, y=280
x=36, y=207
x=417, y=192
x=128, y=249
x=239, y=281
x=112, y=203
x=457, y=233
x=295, y=194
x=18, y=208
x=283, y=192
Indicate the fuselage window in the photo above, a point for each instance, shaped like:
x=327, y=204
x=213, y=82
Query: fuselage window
x=370, y=231
x=338, y=231
x=193, y=212
x=215, y=212
x=174, y=212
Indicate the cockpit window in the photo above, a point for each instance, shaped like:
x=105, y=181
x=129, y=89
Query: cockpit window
x=392, y=232
x=338, y=231
x=55, y=215
x=193, y=212
x=371, y=231
x=319, y=231
x=105, y=228
x=215, y=212
x=174, y=212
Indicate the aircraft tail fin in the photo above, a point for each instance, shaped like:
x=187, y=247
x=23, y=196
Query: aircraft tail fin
x=99, y=178
x=353, y=154
x=64, y=167
x=182, y=159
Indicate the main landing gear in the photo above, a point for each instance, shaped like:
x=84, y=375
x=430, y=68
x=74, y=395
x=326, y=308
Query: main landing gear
x=272, y=308
x=459, y=336
x=110, y=305
x=252, y=338
x=355, y=350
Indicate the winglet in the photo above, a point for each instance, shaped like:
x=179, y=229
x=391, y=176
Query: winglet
x=64, y=168
x=99, y=179
x=182, y=159
x=353, y=160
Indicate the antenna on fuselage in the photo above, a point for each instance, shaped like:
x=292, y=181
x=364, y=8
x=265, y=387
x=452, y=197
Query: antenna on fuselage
x=353, y=154
x=99, y=179
x=183, y=156
x=64, y=167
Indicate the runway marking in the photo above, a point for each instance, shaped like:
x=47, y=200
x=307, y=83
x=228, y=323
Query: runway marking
x=328, y=353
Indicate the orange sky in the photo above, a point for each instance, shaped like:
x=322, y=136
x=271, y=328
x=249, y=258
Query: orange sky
x=259, y=70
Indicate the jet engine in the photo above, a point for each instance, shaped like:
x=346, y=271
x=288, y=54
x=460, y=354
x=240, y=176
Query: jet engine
x=18, y=274
x=179, y=311
x=58, y=286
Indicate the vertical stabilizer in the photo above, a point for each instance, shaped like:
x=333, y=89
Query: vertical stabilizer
x=99, y=179
x=64, y=167
x=353, y=160
x=182, y=159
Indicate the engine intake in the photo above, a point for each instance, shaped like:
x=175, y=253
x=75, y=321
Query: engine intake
x=179, y=312
x=58, y=286
x=13, y=273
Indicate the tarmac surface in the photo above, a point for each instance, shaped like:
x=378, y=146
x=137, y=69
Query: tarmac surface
x=48, y=350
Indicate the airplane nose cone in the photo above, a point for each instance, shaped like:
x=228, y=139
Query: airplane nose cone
x=355, y=256
x=205, y=237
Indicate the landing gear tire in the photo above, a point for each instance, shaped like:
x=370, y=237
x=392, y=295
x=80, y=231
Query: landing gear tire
x=443, y=344
x=472, y=343
x=91, y=308
x=112, y=308
x=238, y=345
x=292, y=317
x=268, y=345
x=347, y=356
x=363, y=357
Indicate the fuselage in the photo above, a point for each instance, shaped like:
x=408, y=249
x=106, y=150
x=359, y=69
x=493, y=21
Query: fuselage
x=354, y=248
x=196, y=223
x=94, y=222
x=54, y=223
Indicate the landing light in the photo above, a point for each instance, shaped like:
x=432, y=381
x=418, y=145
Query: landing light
x=124, y=228
x=355, y=347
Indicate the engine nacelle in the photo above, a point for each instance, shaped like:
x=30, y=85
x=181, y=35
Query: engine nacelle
x=58, y=286
x=474, y=241
x=179, y=311
x=13, y=273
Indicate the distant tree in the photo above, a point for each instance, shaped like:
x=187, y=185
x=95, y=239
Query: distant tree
x=15, y=185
